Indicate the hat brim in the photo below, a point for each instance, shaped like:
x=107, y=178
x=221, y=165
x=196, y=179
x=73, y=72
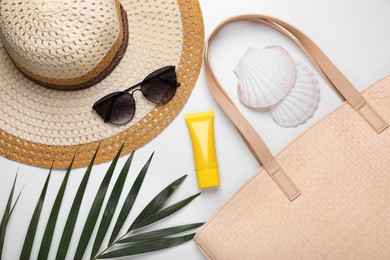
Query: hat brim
x=150, y=122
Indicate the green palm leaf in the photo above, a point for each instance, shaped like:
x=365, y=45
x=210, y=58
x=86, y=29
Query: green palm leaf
x=165, y=212
x=95, y=208
x=111, y=206
x=7, y=215
x=16, y=201
x=153, y=235
x=149, y=215
x=74, y=211
x=51, y=222
x=128, y=244
x=130, y=199
x=6, y=223
x=156, y=203
x=32, y=228
x=147, y=246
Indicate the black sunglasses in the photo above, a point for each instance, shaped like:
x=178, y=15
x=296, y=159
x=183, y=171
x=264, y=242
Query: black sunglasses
x=158, y=87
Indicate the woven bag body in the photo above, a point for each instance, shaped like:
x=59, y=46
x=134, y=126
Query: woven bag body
x=341, y=167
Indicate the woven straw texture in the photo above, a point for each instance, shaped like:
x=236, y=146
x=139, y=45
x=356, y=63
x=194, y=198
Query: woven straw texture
x=63, y=46
x=342, y=168
x=40, y=126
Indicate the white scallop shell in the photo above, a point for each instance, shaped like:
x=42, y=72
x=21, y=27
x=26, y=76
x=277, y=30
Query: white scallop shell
x=265, y=76
x=301, y=103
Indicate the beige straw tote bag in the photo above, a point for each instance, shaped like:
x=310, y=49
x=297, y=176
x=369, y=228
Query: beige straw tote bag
x=327, y=194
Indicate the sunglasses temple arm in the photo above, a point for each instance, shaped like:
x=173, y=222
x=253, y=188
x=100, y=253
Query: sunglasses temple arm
x=156, y=76
x=173, y=84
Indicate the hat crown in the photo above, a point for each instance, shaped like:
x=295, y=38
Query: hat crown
x=60, y=41
x=50, y=7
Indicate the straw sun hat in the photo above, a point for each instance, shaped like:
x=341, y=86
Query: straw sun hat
x=58, y=57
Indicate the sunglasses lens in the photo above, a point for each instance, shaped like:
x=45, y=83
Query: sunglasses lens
x=117, y=108
x=160, y=86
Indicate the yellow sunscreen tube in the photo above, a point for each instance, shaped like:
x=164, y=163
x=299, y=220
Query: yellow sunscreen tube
x=201, y=127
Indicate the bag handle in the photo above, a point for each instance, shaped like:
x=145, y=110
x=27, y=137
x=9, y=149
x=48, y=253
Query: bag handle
x=254, y=142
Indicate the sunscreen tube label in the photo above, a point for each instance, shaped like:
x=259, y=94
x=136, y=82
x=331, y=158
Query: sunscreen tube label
x=201, y=128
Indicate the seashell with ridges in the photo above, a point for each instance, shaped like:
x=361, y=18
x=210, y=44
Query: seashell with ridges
x=302, y=101
x=265, y=76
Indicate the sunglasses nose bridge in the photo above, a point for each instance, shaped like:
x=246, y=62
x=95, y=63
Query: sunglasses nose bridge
x=135, y=90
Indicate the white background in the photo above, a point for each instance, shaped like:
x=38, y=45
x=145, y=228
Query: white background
x=355, y=34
